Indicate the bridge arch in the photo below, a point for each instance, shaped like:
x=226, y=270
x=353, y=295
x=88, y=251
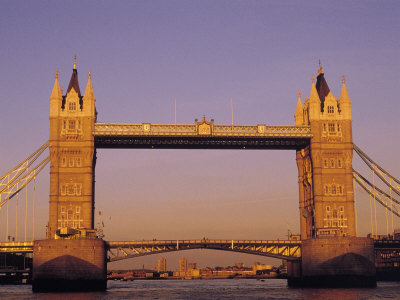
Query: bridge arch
x=280, y=249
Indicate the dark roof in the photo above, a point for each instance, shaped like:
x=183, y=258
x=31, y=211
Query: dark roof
x=322, y=89
x=73, y=83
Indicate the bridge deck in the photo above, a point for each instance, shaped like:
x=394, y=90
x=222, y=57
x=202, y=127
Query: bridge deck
x=202, y=135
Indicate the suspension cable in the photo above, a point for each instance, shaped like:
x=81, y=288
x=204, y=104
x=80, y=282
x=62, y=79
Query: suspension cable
x=26, y=212
x=377, y=196
x=374, y=166
x=373, y=183
x=16, y=218
x=370, y=209
x=24, y=180
x=355, y=207
x=363, y=179
x=20, y=168
x=33, y=208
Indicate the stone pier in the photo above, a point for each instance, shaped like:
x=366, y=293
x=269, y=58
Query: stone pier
x=335, y=262
x=67, y=265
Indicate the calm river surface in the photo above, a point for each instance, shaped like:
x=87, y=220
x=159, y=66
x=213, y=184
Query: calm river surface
x=208, y=289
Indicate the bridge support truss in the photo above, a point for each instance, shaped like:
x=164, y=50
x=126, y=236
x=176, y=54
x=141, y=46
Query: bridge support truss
x=288, y=250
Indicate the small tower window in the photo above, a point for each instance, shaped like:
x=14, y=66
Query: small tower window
x=339, y=163
x=332, y=163
x=71, y=125
x=64, y=124
x=340, y=190
x=78, y=189
x=72, y=106
x=339, y=129
x=331, y=110
x=326, y=189
x=325, y=163
x=324, y=127
x=333, y=189
x=78, y=161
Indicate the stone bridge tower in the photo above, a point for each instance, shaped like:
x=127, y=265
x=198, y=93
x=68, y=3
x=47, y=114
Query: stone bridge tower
x=325, y=166
x=73, y=158
x=332, y=255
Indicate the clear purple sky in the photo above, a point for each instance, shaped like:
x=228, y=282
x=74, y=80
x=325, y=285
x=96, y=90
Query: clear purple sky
x=143, y=54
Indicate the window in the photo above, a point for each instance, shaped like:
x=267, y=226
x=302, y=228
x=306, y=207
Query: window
x=72, y=106
x=331, y=127
x=340, y=192
x=63, y=190
x=79, y=124
x=78, y=210
x=325, y=163
x=71, y=189
x=63, y=161
x=78, y=161
x=339, y=163
x=70, y=162
x=333, y=190
x=64, y=124
x=62, y=209
x=324, y=127
x=331, y=109
x=332, y=163
x=328, y=208
x=78, y=189
x=341, y=208
x=71, y=125
x=326, y=189
x=339, y=128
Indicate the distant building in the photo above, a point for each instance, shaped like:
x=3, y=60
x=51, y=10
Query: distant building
x=257, y=267
x=182, y=264
x=239, y=265
x=162, y=265
x=192, y=266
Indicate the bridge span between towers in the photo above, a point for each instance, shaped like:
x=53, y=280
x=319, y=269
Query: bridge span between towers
x=119, y=250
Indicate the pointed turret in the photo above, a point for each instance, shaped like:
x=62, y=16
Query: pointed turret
x=73, y=83
x=344, y=102
x=55, y=97
x=88, y=97
x=314, y=102
x=298, y=115
x=321, y=86
x=56, y=92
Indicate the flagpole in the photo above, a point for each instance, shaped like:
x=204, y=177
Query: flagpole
x=232, y=111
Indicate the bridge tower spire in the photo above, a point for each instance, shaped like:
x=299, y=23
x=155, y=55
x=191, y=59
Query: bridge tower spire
x=72, y=153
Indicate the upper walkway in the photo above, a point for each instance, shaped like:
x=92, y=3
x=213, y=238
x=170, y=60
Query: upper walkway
x=201, y=135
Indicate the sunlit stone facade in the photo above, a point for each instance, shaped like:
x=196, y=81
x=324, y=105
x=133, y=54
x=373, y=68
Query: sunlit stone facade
x=325, y=166
x=72, y=153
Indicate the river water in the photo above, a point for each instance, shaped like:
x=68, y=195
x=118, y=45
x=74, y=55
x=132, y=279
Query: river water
x=208, y=289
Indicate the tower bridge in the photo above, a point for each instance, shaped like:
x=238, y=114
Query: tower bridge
x=321, y=138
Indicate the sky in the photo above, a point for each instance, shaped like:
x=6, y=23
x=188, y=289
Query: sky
x=144, y=54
